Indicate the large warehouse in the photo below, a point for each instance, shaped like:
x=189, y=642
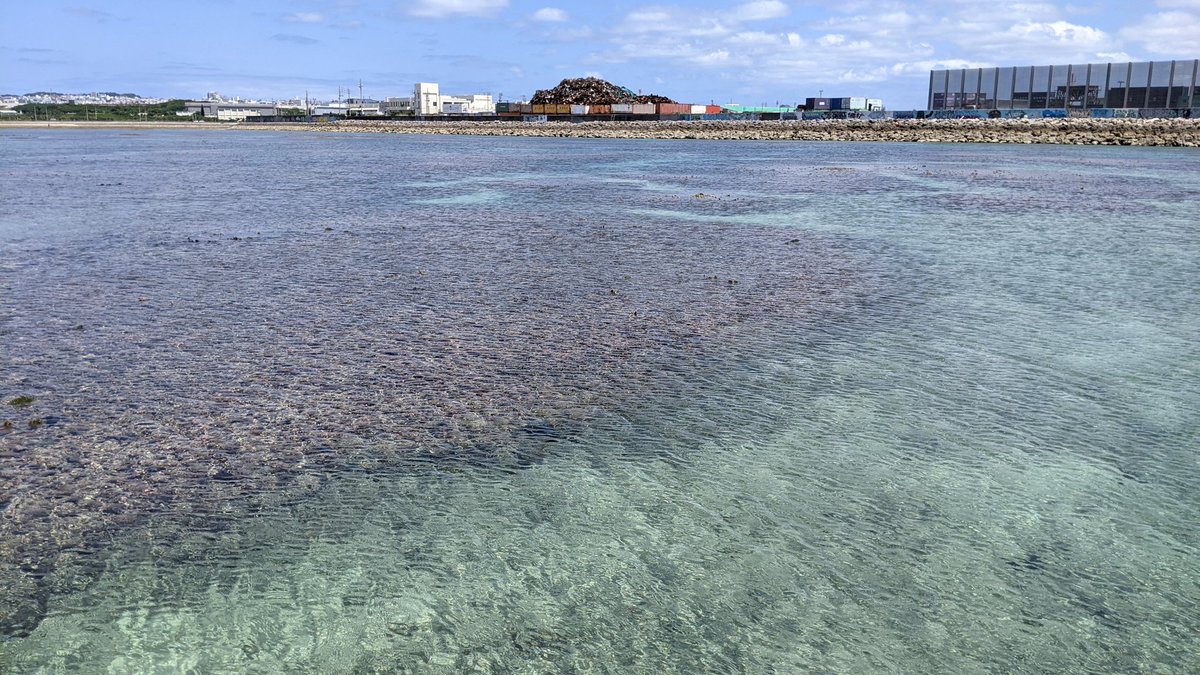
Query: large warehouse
x=1080, y=86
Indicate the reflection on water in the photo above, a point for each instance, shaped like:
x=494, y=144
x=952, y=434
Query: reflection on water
x=596, y=405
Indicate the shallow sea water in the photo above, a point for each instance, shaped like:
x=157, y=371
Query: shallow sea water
x=341, y=403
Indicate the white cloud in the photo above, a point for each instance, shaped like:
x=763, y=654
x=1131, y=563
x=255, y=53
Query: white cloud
x=759, y=10
x=442, y=9
x=1059, y=32
x=888, y=45
x=720, y=56
x=549, y=14
x=1048, y=42
x=304, y=17
x=1167, y=33
x=672, y=21
x=755, y=38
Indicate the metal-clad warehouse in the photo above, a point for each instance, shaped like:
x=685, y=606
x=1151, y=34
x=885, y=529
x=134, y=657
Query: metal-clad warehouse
x=1078, y=86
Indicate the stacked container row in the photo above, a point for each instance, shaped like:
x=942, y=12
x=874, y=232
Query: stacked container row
x=674, y=109
x=614, y=109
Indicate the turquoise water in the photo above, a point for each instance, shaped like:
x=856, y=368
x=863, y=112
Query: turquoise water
x=516, y=405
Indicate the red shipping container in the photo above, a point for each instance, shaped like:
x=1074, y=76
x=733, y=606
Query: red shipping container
x=712, y=110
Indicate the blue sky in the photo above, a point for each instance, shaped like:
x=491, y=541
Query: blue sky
x=750, y=52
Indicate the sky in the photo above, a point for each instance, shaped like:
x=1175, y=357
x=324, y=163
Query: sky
x=752, y=52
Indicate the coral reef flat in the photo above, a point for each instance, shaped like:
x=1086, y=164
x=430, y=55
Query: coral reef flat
x=363, y=402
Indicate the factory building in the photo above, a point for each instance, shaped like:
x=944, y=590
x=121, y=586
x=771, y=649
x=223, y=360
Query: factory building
x=228, y=110
x=395, y=105
x=1080, y=86
x=428, y=100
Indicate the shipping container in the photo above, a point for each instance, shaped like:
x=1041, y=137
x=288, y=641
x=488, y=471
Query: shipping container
x=643, y=108
x=622, y=108
x=579, y=110
x=600, y=109
x=562, y=109
x=697, y=109
x=540, y=109
x=502, y=108
x=712, y=110
x=674, y=109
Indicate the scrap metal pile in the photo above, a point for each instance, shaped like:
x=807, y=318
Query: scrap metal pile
x=592, y=91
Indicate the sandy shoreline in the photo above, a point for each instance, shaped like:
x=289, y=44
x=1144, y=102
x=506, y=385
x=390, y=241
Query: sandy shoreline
x=1138, y=132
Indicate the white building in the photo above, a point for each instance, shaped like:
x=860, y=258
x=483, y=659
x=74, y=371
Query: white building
x=325, y=109
x=429, y=100
x=475, y=104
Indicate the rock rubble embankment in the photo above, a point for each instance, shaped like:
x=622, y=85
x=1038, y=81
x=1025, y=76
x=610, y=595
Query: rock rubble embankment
x=1151, y=132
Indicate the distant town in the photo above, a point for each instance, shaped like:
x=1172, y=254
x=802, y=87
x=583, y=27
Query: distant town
x=1107, y=90
x=583, y=97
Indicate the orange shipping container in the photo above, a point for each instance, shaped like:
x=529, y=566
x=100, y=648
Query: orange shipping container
x=562, y=109
x=540, y=109
x=712, y=110
x=603, y=109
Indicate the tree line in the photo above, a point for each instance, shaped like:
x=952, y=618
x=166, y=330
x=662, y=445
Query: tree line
x=88, y=111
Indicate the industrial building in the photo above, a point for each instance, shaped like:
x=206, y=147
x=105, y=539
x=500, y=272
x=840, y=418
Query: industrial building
x=1155, y=85
x=228, y=110
x=428, y=100
x=395, y=105
x=848, y=103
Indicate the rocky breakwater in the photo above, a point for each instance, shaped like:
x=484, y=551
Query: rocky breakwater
x=1152, y=132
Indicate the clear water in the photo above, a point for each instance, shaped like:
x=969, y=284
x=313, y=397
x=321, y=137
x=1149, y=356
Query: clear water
x=372, y=404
